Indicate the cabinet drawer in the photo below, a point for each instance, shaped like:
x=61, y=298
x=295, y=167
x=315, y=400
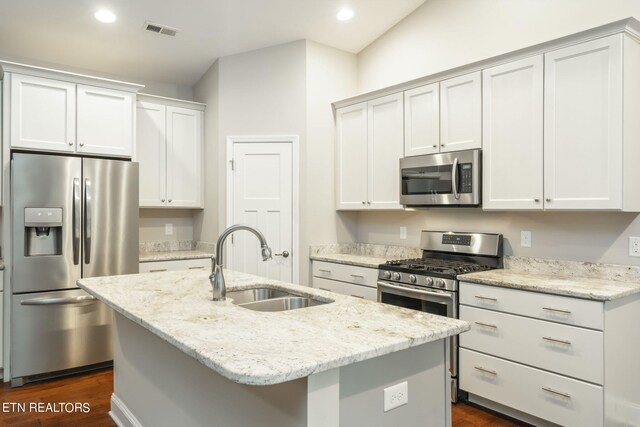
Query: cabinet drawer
x=556, y=308
x=182, y=264
x=346, y=273
x=357, y=291
x=552, y=397
x=566, y=350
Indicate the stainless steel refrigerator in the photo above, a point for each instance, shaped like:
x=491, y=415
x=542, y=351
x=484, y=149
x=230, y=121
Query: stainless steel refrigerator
x=72, y=217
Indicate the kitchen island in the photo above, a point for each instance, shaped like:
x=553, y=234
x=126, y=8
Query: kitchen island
x=182, y=359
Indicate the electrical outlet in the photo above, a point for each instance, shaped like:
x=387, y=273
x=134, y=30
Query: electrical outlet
x=525, y=239
x=403, y=233
x=168, y=229
x=634, y=246
x=396, y=395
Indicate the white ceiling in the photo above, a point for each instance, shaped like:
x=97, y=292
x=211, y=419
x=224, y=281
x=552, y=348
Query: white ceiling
x=65, y=31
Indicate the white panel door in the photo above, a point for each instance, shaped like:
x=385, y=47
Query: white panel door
x=351, y=150
x=263, y=198
x=43, y=114
x=184, y=158
x=512, y=98
x=105, y=121
x=151, y=151
x=583, y=126
x=461, y=113
x=422, y=120
x=385, y=148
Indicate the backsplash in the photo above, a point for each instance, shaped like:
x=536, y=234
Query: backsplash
x=169, y=245
x=366, y=249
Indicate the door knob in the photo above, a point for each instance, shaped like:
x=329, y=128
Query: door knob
x=284, y=254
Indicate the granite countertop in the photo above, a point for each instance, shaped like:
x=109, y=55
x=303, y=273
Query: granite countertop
x=361, y=254
x=173, y=255
x=261, y=348
x=593, y=288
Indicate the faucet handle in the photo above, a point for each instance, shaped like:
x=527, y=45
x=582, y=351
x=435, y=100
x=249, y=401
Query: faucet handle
x=213, y=263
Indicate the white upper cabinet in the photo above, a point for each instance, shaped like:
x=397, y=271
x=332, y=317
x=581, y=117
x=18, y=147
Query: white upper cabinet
x=422, y=120
x=47, y=114
x=43, y=114
x=583, y=137
x=512, y=155
x=151, y=151
x=351, y=150
x=385, y=135
x=369, y=148
x=169, y=145
x=105, y=121
x=184, y=158
x=461, y=113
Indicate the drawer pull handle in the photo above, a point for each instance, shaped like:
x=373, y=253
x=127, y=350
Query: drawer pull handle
x=357, y=276
x=557, y=340
x=196, y=268
x=157, y=271
x=325, y=289
x=487, y=298
x=357, y=296
x=557, y=310
x=488, y=325
x=488, y=371
x=556, y=392
x=324, y=271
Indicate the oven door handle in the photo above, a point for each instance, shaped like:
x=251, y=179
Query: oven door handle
x=415, y=293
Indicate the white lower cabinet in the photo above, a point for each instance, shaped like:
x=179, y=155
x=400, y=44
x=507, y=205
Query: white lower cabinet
x=566, y=360
x=359, y=282
x=175, y=265
x=552, y=397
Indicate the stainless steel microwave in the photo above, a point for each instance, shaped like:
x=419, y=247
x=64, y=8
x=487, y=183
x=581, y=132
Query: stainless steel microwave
x=443, y=179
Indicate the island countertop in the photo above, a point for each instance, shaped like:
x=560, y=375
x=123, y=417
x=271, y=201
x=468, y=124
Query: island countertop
x=262, y=348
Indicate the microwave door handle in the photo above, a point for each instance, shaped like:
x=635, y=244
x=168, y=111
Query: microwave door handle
x=75, y=219
x=454, y=178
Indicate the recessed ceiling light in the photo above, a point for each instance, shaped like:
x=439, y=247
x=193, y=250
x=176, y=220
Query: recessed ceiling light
x=344, y=14
x=105, y=16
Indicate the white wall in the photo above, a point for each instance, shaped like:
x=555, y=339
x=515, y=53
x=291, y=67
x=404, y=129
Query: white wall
x=443, y=34
x=285, y=89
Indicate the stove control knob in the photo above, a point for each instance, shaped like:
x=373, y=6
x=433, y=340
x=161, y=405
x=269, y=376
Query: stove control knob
x=440, y=283
x=428, y=281
x=412, y=278
x=386, y=275
x=396, y=276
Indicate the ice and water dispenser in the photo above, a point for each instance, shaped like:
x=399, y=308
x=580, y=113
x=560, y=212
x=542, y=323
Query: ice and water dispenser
x=42, y=231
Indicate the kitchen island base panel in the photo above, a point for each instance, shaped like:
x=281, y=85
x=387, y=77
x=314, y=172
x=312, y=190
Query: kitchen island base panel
x=157, y=384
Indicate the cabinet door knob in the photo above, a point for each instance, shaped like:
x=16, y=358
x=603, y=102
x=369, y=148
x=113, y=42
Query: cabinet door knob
x=162, y=200
x=70, y=143
x=364, y=203
x=82, y=144
x=368, y=203
x=435, y=146
x=536, y=200
x=547, y=200
x=169, y=200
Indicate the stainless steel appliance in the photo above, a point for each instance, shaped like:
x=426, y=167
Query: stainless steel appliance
x=444, y=179
x=72, y=217
x=430, y=284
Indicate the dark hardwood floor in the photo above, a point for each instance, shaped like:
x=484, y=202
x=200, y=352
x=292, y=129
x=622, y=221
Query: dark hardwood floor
x=95, y=388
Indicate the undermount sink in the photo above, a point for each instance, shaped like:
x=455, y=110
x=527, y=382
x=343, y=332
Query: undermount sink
x=270, y=299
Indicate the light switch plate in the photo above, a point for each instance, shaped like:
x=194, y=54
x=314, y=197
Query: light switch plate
x=403, y=233
x=634, y=246
x=525, y=239
x=396, y=395
x=168, y=229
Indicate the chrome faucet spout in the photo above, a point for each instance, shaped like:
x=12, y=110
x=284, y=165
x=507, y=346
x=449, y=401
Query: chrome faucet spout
x=217, y=277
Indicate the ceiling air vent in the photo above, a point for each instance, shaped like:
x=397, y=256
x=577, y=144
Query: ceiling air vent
x=160, y=29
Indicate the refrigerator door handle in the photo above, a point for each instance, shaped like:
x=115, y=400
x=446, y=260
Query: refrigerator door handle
x=88, y=199
x=59, y=301
x=76, y=219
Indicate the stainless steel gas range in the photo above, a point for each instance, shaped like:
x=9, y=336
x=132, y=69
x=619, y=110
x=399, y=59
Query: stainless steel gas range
x=430, y=283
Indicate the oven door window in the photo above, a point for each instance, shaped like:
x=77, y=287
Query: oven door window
x=439, y=309
x=437, y=179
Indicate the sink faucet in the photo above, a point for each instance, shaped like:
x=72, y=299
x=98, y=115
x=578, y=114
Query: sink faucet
x=217, y=278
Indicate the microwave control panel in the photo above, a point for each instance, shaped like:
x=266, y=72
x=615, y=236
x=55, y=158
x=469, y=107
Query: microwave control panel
x=466, y=172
